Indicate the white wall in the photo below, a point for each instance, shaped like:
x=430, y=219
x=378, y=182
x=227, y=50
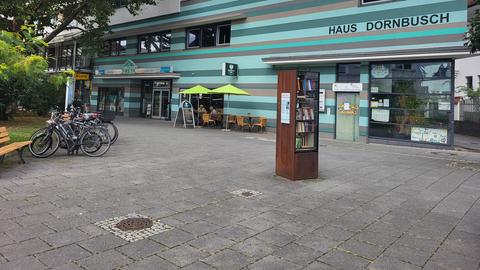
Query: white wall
x=467, y=67
x=163, y=7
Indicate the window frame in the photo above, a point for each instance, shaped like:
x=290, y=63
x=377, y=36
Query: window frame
x=149, y=40
x=218, y=35
x=110, y=43
x=469, y=81
x=201, y=28
x=362, y=3
x=451, y=94
x=352, y=63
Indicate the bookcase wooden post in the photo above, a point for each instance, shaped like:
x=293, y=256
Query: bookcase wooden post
x=297, y=141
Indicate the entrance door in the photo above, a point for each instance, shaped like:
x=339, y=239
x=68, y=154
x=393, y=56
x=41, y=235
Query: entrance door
x=347, y=117
x=161, y=103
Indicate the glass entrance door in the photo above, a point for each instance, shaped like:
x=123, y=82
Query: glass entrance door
x=161, y=103
x=347, y=117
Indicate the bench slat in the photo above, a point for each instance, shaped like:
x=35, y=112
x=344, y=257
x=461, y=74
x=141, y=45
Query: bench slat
x=12, y=147
x=4, y=139
x=3, y=134
x=3, y=129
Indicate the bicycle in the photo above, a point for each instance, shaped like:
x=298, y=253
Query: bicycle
x=73, y=135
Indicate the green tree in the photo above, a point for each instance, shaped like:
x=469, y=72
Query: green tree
x=22, y=71
x=51, y=17
x=473, y=35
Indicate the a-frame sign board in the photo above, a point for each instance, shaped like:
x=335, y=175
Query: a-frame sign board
x=187, y=114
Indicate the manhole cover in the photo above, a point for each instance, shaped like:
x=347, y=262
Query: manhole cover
x=131, y=224
x=443, y=154
x=133, y=227
x=246, y=193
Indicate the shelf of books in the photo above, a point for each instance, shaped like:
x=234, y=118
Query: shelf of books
x=306, y=126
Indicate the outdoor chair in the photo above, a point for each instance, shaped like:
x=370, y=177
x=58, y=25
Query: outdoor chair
x=261, y=124
x=207, y=121
x=231, y=120
x=241, y=123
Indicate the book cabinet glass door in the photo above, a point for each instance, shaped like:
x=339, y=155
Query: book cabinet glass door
x=306, y=117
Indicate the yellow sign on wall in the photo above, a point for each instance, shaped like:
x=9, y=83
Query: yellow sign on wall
x=82, y=76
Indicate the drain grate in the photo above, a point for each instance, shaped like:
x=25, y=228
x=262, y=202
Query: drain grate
x=246, y=193
x=133, y=227
x=131, y=224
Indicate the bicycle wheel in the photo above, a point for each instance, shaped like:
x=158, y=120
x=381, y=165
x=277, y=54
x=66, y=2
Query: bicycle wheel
x=44, y=144
x=95, y=142
x=112, y=130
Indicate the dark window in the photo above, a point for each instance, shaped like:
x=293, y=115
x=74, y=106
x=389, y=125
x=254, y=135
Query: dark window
x=208, y=35
x=224, y=34
x=114, y=47
x=119, y=3
x=469, y=81
x=366, y=2
x=348, y=73
x=193, y=38
x=158, y=42
x=411, y=101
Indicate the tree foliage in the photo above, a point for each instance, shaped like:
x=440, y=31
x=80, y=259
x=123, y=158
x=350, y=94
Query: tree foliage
x=51, y=17
x=23, y=72
x=473, y=35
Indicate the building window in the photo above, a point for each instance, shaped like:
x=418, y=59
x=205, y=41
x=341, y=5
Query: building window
x=119, y=3
x=411, y=101
x=152, y=43
x=469, y=81
x=114, y=47
x=208, y=36
x=348, y=73
x=367, y=2
x=110, y=99
x=224, y=34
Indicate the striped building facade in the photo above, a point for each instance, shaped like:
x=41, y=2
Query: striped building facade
x=268, y=35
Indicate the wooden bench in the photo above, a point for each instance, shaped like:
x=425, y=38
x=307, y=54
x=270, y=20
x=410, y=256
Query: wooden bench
x=7, y=148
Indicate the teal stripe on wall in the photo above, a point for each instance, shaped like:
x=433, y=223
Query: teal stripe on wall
x=353, y=18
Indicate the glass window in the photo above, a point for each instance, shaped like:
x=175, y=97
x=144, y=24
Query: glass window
x=111, y=99
x=366, y=2
x=153, y=43
x=348, y=73
x=411, y=101
x=114, y=47
x=193, y=38
x=224, y=34
x=165, y=41
x=143, y=44
x=122, y=46
x=208, y=36
x=469, y=81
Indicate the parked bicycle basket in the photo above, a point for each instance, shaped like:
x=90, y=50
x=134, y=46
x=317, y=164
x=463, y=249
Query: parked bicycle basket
x=108, y=116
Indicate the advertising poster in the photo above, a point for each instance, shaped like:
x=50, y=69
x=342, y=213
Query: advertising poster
x=321, y=100
x=430, y=135
x=285, y=108
x=381, y=115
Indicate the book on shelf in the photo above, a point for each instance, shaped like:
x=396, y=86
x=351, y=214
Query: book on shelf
x=305, y=114
x=306, y=84
x=304, y=127
x=304, y=141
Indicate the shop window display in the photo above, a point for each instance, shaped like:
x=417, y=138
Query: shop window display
x=411, y=101
x=110, y=99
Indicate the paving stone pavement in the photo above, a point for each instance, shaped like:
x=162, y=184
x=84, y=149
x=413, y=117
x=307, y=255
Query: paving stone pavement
x=374, y=206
